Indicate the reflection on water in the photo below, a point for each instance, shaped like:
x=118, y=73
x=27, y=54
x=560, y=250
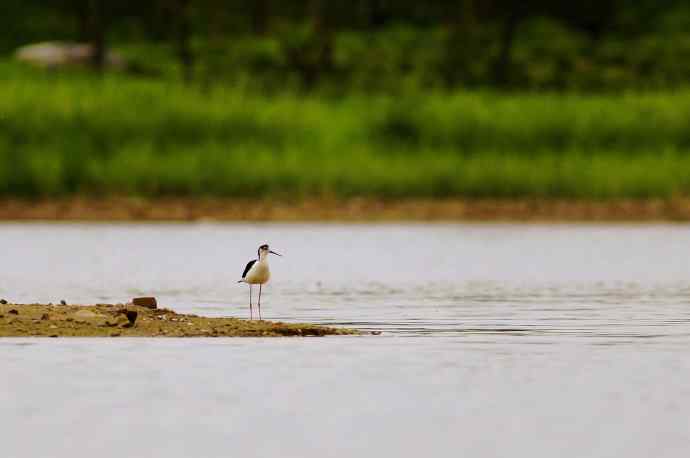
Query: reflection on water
x=559, y=340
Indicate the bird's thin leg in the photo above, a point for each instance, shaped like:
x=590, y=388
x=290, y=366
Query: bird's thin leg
x=251, y=313
x=260, y=301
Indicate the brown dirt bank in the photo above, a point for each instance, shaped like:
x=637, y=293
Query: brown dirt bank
x=181, y=209
x=105, y=320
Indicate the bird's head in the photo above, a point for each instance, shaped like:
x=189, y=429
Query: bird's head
x=264, y=250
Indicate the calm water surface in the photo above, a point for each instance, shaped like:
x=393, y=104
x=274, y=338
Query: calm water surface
x=498, y=340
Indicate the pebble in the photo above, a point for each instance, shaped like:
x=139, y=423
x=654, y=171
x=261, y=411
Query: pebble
x=3, y=301
x=92, y=318
x=132, y=316
x=13, y=312
x=114, y=334
x=63, y=302
x=86, y=315
x=44, y=317
x=121, y=320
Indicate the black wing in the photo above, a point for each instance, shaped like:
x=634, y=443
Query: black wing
x=249, y=266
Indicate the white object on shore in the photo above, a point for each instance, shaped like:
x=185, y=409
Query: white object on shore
x=54, y=54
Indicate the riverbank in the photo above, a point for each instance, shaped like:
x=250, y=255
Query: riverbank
x=105, y=320
x=360, y=209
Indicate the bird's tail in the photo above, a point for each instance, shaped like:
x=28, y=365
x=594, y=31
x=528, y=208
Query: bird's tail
x=242, y=281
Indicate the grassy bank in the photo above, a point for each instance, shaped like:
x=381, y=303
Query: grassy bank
x=64, y=134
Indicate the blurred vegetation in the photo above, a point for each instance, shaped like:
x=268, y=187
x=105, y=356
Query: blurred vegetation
x=380, y=98
x=115, y=134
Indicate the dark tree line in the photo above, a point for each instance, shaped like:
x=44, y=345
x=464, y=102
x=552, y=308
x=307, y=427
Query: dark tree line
x=472, y=27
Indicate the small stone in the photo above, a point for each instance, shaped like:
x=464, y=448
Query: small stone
x=44, y=317
x=148, y=302
x=53, y=335
x=63, y=302
x=86, y=315
x=119, y=320
x=52, y=326
x=13, y=312
x=132, y=316
x=3, y=301
x=114, y=334
x=376, y=333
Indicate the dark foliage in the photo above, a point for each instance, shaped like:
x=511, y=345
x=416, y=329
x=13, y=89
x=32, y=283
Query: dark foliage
x=375, y=45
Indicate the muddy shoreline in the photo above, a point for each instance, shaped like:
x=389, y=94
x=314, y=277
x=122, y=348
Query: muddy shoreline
x=126, y=320
x=182, y=209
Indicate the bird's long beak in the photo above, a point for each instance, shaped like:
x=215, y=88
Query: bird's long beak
x=271, y=251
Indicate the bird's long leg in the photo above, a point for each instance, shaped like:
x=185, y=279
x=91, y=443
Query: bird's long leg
x=260, y=301
x=251, y=313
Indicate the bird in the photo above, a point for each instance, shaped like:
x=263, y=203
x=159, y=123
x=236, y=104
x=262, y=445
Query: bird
x=257, y=273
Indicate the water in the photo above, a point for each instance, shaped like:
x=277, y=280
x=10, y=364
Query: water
x=498, y=340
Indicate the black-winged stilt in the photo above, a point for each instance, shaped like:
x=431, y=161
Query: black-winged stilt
x=257, y=273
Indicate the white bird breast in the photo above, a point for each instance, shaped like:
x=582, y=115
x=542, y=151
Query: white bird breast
x=258, y=274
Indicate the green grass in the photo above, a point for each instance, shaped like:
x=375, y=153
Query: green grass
x=71, y=133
